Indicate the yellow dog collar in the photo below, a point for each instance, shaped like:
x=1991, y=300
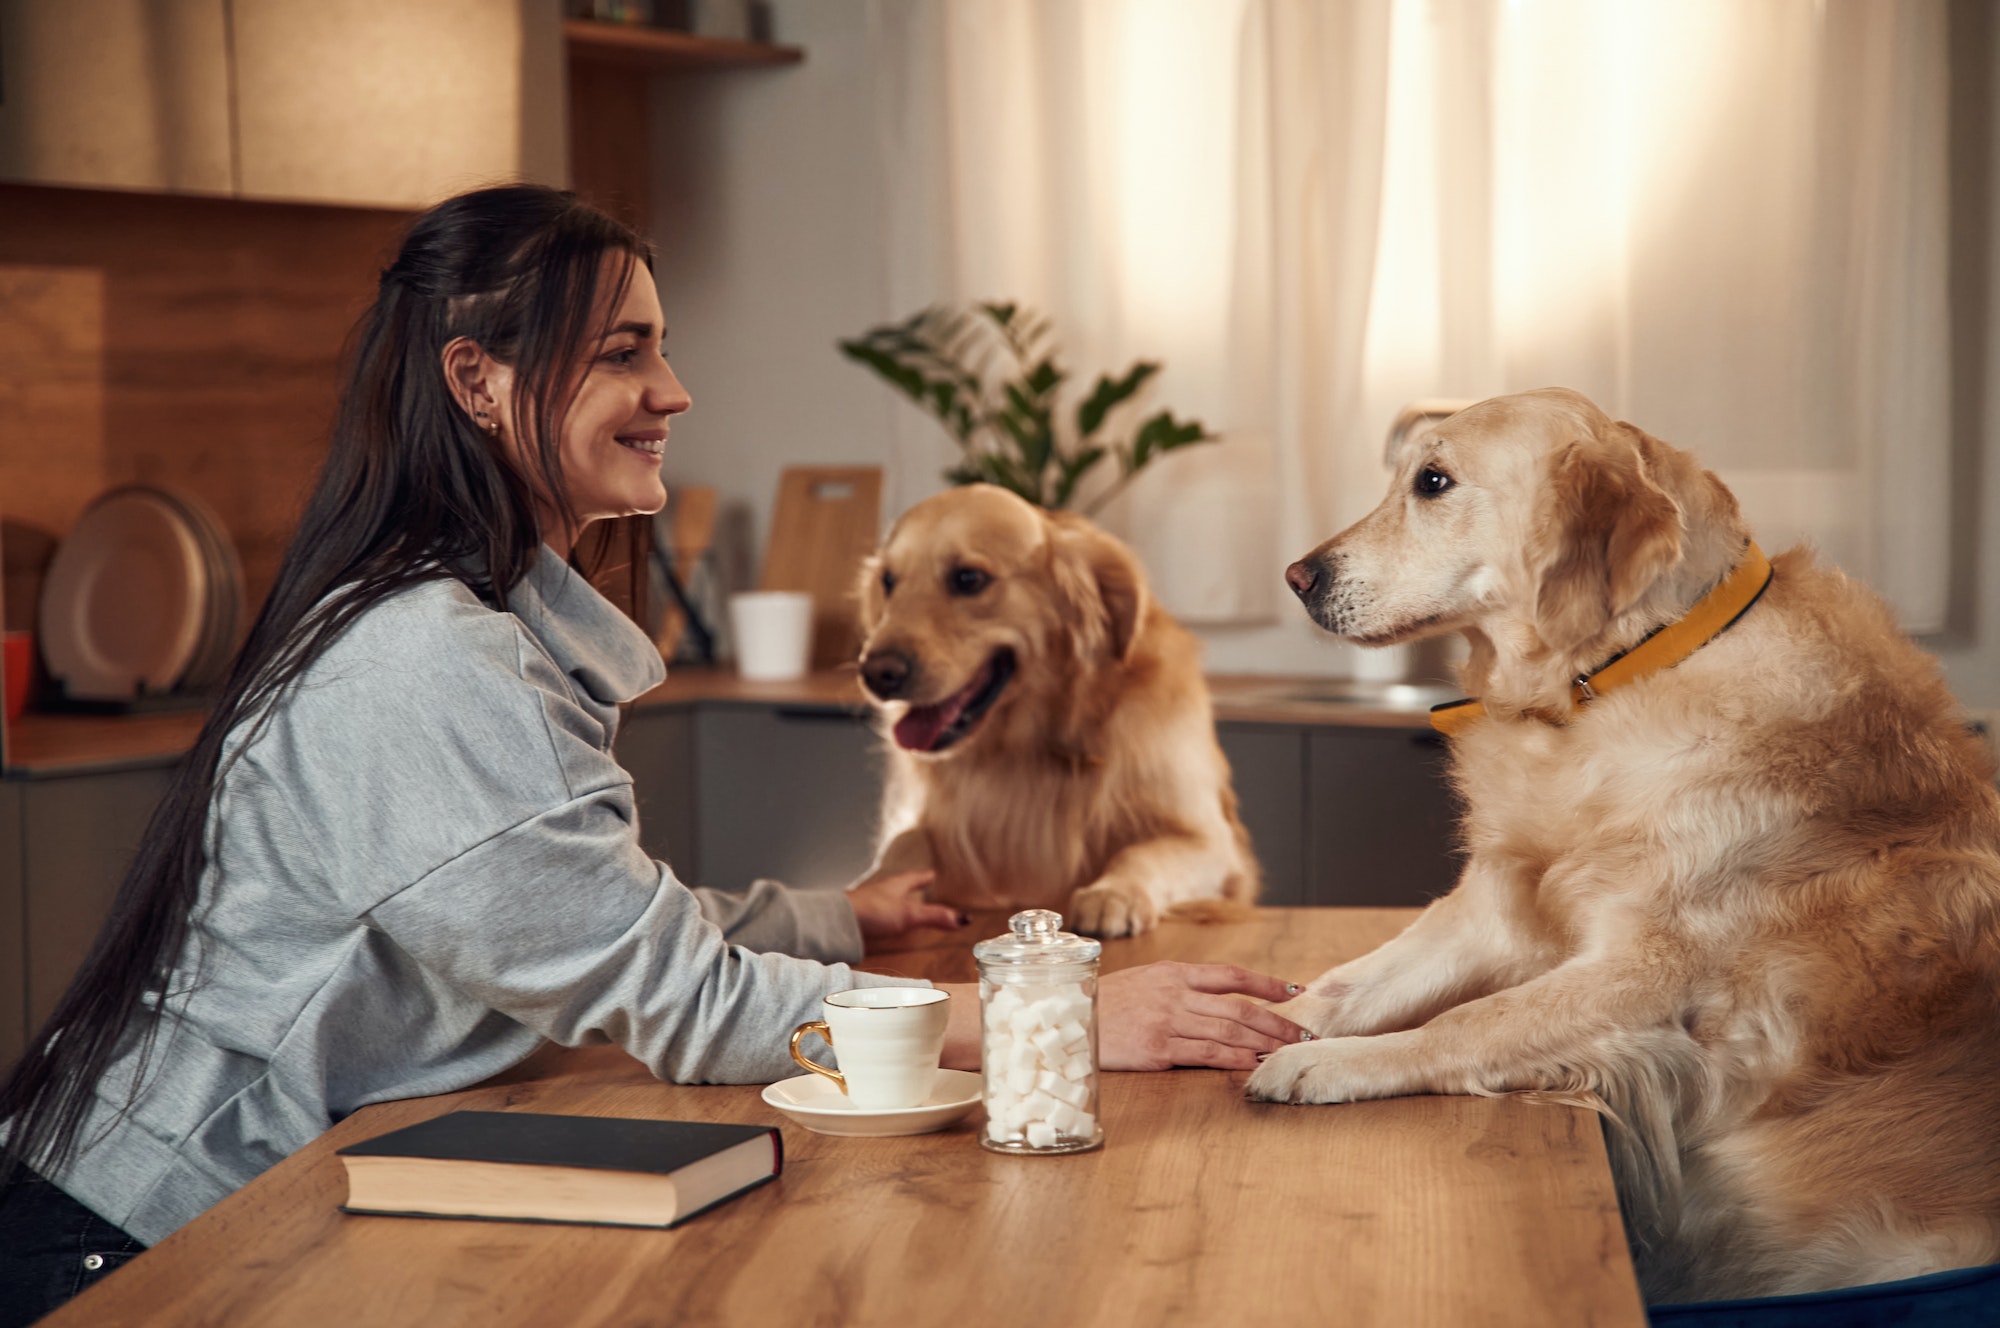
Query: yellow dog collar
x=1708, y=619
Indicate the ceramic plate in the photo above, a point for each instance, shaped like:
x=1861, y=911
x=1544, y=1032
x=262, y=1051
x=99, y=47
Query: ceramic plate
x=125, y=603
x=817, y=1103
x=222, y=624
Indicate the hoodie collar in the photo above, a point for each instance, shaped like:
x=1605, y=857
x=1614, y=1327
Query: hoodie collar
x=589, y=638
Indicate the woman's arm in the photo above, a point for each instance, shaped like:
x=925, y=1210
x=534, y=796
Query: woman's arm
x=832, y=926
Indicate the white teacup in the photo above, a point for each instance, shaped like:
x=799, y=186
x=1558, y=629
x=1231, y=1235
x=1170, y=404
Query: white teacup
x=888, y=1040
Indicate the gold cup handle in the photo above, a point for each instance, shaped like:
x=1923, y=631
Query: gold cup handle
x=816, y=1026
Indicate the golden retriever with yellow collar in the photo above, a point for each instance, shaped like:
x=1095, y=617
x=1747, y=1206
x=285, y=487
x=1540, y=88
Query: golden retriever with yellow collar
x=1050, y=736
x=1749, y=902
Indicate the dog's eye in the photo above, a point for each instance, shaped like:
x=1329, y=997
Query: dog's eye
x=966, y=580
x=888, y=582
x=1431, y=482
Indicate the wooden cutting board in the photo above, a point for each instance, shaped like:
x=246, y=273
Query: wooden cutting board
x=827, y=520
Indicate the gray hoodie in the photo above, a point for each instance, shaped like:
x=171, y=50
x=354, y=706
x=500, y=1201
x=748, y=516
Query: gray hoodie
x=422, y=864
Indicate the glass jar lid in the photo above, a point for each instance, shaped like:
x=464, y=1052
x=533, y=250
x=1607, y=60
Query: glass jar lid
x=1036, y=937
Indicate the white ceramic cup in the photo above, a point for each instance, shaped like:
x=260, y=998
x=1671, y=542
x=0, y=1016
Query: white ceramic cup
x=888, y=1040
x=773, y=630
x=1381, y=663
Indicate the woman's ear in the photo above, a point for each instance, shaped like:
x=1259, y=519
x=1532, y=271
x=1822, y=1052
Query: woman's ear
x=1608, y=534
x=478, y=383
x=1101, y=585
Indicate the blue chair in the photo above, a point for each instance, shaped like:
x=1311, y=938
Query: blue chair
x=1959, y=1298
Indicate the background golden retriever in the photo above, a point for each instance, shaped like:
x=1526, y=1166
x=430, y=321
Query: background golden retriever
x=1750, y=903
x=1050, y=737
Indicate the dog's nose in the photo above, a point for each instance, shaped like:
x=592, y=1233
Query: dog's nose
x=1301, y=576
x=886, y=673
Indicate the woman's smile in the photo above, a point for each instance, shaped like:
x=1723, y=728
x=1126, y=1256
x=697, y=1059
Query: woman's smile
x=652, y=443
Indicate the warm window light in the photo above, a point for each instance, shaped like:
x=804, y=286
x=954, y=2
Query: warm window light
x=1176, y=120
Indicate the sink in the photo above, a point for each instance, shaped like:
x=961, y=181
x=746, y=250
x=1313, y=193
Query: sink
x=1414, y=696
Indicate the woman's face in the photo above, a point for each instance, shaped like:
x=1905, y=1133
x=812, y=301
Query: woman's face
x=616, y=430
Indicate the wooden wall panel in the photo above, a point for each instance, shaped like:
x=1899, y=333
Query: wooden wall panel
x=610, y=152
x=177, y=340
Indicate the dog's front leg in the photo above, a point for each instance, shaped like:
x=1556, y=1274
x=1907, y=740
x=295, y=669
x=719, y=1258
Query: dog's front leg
x=1145, y=880
x=1563, y=1030
x=1479, y=938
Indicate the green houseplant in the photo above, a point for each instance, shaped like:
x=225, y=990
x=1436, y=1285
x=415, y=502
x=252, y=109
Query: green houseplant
x=989, y=374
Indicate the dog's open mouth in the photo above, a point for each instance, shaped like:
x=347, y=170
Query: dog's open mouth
x=933, y=728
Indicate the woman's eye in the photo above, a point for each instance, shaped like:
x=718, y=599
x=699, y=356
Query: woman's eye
x=625, y=356
x=1431, y=482
x=966, y=581
x=888, y=582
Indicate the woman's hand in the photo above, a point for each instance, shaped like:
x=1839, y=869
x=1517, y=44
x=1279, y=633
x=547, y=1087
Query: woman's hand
x=893, y=904
x=1169, y=1013
x=1159, y=1016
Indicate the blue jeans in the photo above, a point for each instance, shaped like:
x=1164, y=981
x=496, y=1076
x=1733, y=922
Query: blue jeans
x=51, y=1248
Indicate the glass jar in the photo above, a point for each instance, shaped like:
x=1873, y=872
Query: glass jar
x=1038, y=1037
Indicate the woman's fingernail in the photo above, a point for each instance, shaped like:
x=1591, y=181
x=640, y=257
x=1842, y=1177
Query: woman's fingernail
x=1306, y=1037
x=1293, y=989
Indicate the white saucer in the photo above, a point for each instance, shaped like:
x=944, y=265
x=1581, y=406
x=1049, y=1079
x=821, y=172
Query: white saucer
x=817, y=1103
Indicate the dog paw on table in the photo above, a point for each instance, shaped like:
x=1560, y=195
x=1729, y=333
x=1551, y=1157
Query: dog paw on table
x=1336, y=1070
x=1111, y=910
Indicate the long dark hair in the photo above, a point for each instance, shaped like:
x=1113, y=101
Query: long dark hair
x=411, y=491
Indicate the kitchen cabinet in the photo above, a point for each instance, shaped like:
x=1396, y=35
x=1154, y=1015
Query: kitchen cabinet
x=1267, y=765
x=380, y=103
x=1379, y=818
x=65, y=843
x=791, y=792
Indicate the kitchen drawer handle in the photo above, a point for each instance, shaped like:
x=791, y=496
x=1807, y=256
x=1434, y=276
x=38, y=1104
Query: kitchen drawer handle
x=819, y=714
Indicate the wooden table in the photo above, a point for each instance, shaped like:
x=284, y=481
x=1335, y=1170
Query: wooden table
x=1202, y=1208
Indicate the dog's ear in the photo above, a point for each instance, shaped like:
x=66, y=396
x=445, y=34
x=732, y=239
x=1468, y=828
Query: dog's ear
x=1100, y=585
x=1609, y=533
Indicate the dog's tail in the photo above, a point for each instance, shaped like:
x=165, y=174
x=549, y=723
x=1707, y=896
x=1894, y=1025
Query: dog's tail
x=1209, y=912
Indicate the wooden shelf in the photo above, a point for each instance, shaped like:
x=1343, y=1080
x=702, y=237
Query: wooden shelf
x=660, y=50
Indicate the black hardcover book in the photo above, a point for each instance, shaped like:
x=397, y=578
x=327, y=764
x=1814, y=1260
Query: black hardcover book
x=532, y=1167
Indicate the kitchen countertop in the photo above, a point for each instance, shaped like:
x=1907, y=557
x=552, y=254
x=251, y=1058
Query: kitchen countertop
x=42, y=746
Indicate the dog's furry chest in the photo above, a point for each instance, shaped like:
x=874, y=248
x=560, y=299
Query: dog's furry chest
x=1542, y=792
x=1026, y=836
x=1539, y=794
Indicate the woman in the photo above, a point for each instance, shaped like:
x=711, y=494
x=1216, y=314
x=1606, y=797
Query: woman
x=401, y=855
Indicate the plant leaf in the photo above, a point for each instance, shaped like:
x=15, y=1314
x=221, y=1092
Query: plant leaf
x=1074, y=468
x=909, y=380
x=1163, y=433
x=1108, y=393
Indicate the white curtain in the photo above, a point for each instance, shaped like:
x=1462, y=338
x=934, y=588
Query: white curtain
x=1722, y=219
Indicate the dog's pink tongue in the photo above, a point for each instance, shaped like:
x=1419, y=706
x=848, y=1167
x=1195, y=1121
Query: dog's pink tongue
x=919, y=730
